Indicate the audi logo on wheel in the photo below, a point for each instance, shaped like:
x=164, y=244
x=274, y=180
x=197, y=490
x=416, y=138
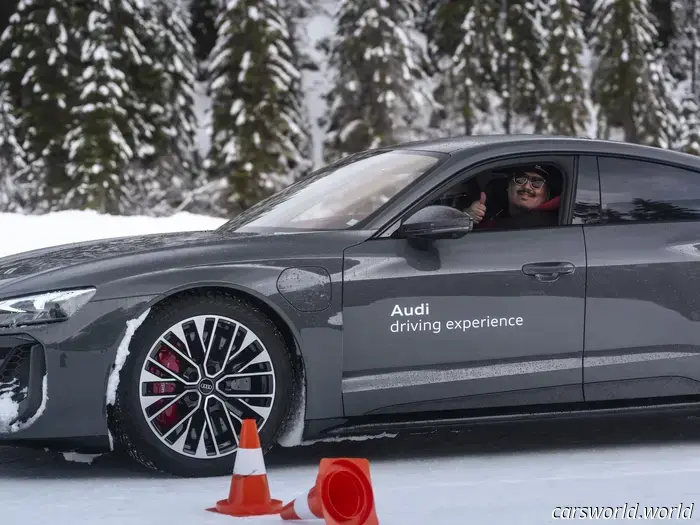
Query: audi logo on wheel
x=206, y=387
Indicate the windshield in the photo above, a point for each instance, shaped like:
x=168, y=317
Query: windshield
x=337, y=196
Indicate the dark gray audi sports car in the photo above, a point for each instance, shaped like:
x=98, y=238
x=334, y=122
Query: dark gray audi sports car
x=441, y=282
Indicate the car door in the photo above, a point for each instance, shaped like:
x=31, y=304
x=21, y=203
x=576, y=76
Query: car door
x=464, y=323
x=643, y=291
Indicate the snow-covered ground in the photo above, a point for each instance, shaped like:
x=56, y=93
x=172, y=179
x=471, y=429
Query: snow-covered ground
x=29, y=232
x=501, y=475
x=450, y=478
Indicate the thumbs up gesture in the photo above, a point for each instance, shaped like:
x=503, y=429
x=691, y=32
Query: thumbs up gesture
x=478, y=209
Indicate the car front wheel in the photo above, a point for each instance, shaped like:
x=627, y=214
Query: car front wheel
x=196, y=368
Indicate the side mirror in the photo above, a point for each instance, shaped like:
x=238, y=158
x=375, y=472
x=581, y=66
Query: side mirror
x=436, y=222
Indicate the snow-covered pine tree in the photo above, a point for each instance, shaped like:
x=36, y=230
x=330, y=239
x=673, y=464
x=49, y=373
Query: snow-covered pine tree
x=37, y=78
x=693, y=31
x=14, y=195
x=678, y=49
x=464, y=44
x=380, y=88
x=106, y=132
x=257, y=125
x=565, y=111
x=662, y=11
x=630, y=80
x=165, y=169
x=690, y=134
x=690, y=30
x=441, y=25
x=658, y=113
x=173, y=49
x=296, y=14
x=522, y=85
x=7, y=9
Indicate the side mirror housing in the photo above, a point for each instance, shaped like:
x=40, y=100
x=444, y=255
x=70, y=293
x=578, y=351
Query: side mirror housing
x=436, y=222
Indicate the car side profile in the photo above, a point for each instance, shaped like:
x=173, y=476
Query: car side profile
x=441, y=282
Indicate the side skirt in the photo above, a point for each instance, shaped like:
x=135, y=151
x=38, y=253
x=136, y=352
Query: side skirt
x=627, y=411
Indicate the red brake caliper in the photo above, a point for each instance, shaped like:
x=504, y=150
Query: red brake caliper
x=170, y=361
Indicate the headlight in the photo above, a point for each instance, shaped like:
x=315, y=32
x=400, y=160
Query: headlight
x=43, y=308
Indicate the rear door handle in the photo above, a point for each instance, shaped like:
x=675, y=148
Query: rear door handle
x=548, y=271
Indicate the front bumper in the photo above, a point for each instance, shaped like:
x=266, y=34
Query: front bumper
x=56, y=374
x=22, y=381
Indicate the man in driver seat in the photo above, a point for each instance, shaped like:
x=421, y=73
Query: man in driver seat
x=530, y=202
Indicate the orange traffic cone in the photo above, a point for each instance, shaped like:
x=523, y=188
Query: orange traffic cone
x=249, y=494
x=342, y=494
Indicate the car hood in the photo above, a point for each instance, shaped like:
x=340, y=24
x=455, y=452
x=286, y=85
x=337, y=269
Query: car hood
x=15, y=267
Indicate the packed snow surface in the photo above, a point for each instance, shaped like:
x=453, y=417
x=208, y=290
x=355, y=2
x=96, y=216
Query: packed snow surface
x=450, y=478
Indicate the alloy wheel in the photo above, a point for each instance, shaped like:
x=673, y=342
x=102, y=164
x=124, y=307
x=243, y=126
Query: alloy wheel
x=200, y=379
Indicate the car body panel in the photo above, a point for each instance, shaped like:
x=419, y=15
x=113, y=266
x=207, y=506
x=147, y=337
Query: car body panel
x=643, y=311
x=436, y=362
x=343, y=331
x=79, y=354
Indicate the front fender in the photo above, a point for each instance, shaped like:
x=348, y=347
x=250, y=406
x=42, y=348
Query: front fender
x=317, y=330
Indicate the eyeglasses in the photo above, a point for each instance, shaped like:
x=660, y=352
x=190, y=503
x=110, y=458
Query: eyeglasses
x=536, y=183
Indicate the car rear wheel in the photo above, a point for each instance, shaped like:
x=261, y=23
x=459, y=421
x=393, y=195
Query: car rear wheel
x=196, y=368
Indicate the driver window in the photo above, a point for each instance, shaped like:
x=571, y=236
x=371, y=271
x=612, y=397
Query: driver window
x=520, y=196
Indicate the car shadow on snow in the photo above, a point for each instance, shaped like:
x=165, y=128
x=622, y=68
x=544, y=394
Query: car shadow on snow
x=505, y=438
x=31, y=463
x=493, y=440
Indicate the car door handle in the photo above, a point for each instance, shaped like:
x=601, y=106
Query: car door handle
x=548, y=271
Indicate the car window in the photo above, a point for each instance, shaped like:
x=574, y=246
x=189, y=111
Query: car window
x=634, y=190
x=498, y=186
x=339, y=195
x=587, y=202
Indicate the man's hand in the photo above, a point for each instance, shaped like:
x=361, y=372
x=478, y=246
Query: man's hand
x=477, y=210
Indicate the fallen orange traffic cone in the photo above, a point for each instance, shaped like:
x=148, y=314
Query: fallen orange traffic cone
x=342, y=494
x=249, y=494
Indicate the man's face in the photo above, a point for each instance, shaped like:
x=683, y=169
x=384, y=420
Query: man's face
x=527, y=190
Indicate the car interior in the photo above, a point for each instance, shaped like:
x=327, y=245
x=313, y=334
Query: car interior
x=494, y=184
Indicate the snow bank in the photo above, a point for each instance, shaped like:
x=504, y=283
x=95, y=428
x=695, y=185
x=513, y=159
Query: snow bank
x=52, y=229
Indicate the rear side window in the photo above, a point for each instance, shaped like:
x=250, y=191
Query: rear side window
x=633, y=190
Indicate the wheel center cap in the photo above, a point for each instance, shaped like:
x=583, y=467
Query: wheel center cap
x=206, y=386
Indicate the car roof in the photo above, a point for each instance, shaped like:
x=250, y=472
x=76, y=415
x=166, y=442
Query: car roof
x=475, y=143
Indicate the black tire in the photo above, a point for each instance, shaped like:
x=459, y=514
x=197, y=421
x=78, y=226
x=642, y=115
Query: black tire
x=133, y=434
